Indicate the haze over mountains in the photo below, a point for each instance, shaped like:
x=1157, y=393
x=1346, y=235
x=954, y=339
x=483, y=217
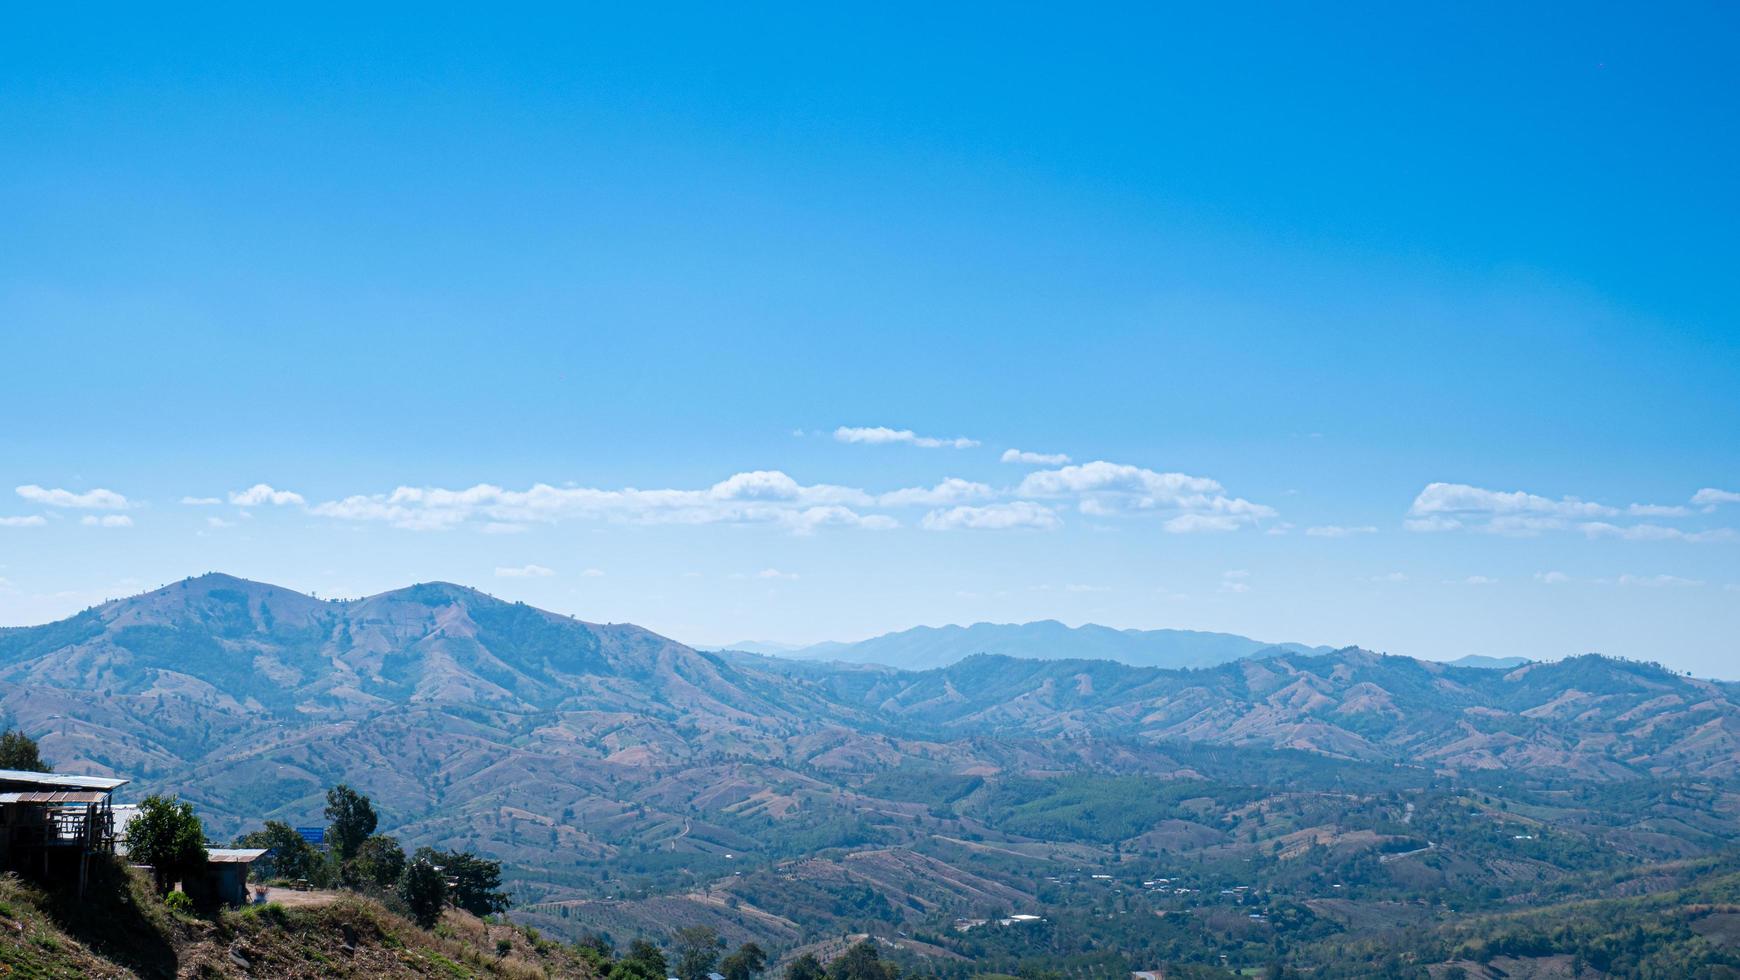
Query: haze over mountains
x=928, y=647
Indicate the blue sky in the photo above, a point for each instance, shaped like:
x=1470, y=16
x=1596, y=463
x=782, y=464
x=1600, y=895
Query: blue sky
x=1255, y=273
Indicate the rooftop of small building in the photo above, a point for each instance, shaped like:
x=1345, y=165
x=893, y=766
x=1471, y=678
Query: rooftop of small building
x=59, y=780
x=234, y=855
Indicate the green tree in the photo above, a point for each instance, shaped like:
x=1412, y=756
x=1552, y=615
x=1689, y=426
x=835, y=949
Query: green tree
x=288, y=855
x=424, y=891
x=380, y=861
x=697, y=949
x=862, y=962
x=167, y=835
x=748, y=960
x=19, y=751
x=805, y=967
x=476, y=881
x=644, y=961
x=350, y=818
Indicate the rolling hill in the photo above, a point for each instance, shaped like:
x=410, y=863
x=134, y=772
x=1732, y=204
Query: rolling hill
x=631, y=783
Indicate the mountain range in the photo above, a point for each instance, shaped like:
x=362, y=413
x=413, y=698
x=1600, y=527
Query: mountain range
x=930, y=647
x=608, y=760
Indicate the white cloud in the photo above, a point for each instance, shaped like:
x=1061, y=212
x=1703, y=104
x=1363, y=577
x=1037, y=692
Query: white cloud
x=993, y=517
x=1104, y=489
x=1457, y=506
x=1389, y=577
x=1657, y=510
x=1235, y=581
x=106, y=520
x=261, y=493
x=202, y=501
x=1200, y=524
x=1479, y=580
x=28, y=520
x=1460, y=498
x=1653, y=532
x=498, y=527
x=98, y=499
x=525, y=571
x=218, y=522
x=1552, y=578
x=774, y=573
x=882, y=435
x=757, y=497
x=1338, y=531
x=1040, y=459
x=953, y=490
x=593, y=573
x=1710, y=498
x=1658, y=581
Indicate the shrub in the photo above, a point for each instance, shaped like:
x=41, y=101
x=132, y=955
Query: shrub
x=178, y=902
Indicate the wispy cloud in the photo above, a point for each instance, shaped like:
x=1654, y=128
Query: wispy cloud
x=1236, y=581
x=882, y=435
x=757, y=497
x=524, y=571
x=28, y=520
x=993, y=517
x=1338, y=530
x=1040, y=459
x=106, y=520
x=1659, y=581
x=1552, y=578
x=1710, y=498
x=1479, y=580
x=1458, y=506
x=1104, y=489
x=953, y=490
x=261, y=493
x=98, y=499
x=1653, y=532
x=202, y=501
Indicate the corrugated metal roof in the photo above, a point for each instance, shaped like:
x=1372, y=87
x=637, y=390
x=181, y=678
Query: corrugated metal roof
x=55, y=796
x=233, y=855
x=58, y=780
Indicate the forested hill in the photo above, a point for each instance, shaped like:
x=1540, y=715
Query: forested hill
x=628, y=781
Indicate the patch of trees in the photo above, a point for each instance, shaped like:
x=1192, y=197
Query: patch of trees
x=18, y=751
x=420, y=885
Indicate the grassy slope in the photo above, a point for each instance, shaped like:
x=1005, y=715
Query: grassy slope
x=123, y=930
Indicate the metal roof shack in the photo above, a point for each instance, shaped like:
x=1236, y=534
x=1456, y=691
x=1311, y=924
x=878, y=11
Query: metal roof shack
x=225, y=879
x=50, y=823
x=19, y=779
x=234, y=855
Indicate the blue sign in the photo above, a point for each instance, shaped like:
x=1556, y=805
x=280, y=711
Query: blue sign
x=313, y=835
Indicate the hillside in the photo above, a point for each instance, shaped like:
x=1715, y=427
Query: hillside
x=632, y=785
x=122, y=930
x=929, y=647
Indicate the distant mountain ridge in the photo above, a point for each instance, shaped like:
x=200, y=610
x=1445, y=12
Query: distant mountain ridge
x=930, y=647
x=519, y=733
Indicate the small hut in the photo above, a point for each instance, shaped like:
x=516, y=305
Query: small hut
x=51, y=823
x=225, y=881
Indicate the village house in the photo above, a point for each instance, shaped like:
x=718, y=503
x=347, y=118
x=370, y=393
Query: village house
x=51, y=823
